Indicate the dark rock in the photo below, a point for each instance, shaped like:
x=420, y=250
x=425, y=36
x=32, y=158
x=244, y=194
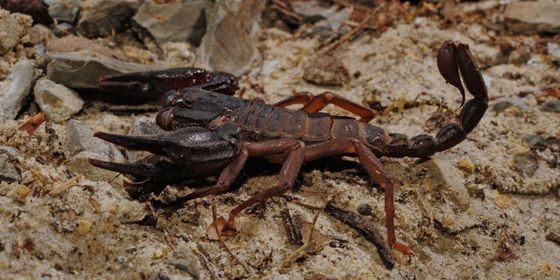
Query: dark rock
x=536, y=142
x=176, y=21
x=15, y=89
x=56, y=101
x=531, y=17
x=100, y=18
x=37, y=9
x=365, y=209
x=525, y=163
x=230, y=43
x=83, y=69
x=552, y=106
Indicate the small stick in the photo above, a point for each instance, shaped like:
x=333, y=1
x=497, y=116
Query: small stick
x=221, y=240
x=366, y=228
x=32, y=123
x=346, y=37
x=293, y=227
x=301, y=251
x=65, y=186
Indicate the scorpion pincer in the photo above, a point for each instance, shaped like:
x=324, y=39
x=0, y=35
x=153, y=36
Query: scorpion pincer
x=210, y=130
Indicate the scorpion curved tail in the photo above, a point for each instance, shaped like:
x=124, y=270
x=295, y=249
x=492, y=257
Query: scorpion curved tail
x=454, y=62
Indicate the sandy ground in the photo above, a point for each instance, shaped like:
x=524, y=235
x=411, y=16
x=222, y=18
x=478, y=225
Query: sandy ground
x=469, y=213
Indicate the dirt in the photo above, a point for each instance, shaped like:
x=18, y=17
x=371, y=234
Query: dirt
x=476, y=211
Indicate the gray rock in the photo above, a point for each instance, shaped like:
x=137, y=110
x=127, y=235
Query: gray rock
x=8, y=171
x=10, y=31
x=525, y=163
x=58, y=102
x=84, y=68
x=313, y=9
x=80, y=138
x=81, y=146
x=99, y=18
x=15, y=89
x=63, y=10
x=230, y=43
x=444, y=174
x=533, y=17
x=80, y=164
x=177, y=21
x=553, y=50
x=142, y=126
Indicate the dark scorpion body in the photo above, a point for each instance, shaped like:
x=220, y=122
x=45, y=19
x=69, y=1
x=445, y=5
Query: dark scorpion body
x=212, y=131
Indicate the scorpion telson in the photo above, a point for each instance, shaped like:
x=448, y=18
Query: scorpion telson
x=210, y=130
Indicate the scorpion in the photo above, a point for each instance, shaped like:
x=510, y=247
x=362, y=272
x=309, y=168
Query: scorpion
x=208, y=130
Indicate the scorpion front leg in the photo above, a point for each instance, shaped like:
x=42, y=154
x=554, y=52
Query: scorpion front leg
x=295, y=151
x=153, y=84
x=316, y=103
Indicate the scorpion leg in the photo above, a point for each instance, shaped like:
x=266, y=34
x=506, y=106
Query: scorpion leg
x=225, y=179
x=314, y=104
x=295, y=155
x=375, y=170
x=153, y=84
x=298, y=98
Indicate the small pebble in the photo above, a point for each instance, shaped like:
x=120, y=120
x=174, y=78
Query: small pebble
x=552, y=106
x=84, y=227
x=365, y=209
x=501, y=106
x=466, y=165
x=536, y=142
x=525, y=163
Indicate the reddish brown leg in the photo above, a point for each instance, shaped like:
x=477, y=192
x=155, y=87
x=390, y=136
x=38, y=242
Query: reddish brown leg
x=295, y=154
x=374, y=168
x=299, y=98
x=322, y=100
x=224, y=180
x=314, y=104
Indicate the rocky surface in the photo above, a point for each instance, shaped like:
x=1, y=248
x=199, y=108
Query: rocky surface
x=15, y=89
x=177, y=21
x=533, y=16
x=485, y=208
x=230, y=43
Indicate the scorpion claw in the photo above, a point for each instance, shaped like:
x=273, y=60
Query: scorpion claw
x=447, y=66
x=153, y=84
x=150, y=169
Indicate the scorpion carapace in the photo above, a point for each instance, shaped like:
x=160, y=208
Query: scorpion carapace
x=209, y=131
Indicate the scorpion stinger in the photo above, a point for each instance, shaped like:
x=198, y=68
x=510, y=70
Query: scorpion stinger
x=153, y=84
